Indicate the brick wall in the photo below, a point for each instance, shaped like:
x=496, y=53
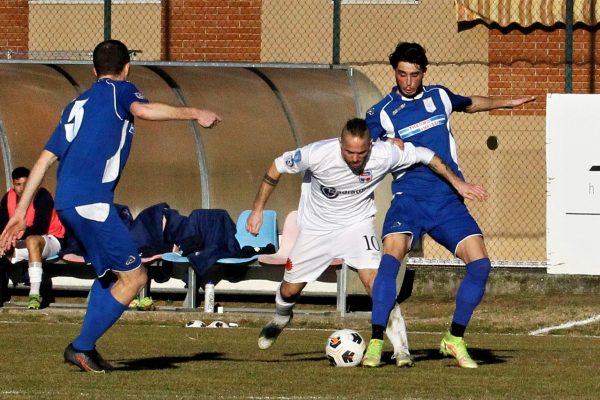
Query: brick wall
x=211, y=30
x=14, y=25
x=532, y=61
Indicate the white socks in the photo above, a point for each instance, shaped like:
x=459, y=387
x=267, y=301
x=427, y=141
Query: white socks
x=283, y=309
x=35, y=277
x=396, y=331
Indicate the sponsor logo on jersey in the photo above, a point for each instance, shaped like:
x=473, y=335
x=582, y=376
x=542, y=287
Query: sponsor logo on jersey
x=139, y=96
x=329, y=192
x=332, y=193
x=371, y=111
x=292, y=159
x=429, y=104
x=130, y=260
x=365, y=177
x=289, y=265
x=397, y=224
x=400, y=108
x=422, y=126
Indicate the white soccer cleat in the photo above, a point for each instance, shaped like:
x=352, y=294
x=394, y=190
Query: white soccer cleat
x=403, y=360
x=271, y=331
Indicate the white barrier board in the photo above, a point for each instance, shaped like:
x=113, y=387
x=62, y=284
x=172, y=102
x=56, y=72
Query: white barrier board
x=573, y=185
x=246, y=287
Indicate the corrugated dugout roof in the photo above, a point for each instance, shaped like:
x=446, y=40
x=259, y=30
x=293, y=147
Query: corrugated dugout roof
x=526, y=12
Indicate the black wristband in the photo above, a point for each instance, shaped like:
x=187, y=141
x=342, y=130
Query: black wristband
x=270, y=181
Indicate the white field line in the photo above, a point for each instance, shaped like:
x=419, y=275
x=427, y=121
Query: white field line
x=537, y=332
x=20, y=393
x=280, y=398
x=566, y=325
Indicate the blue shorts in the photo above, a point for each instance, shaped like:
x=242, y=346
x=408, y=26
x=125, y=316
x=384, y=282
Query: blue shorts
x=107, y=244
x=445, y=218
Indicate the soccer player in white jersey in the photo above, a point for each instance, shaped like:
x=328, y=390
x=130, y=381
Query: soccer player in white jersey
x=424, y=203
x=92, y=142
x=337, y=212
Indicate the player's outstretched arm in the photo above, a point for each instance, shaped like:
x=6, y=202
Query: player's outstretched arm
x=481, y=103
x=466, y=190
x=164, y=112
x=267, y=186
x=16, y=225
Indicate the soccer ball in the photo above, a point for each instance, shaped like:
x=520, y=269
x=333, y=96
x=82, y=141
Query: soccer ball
x=345, y=348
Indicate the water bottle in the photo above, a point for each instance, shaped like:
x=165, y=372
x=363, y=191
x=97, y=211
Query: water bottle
x=209, y=298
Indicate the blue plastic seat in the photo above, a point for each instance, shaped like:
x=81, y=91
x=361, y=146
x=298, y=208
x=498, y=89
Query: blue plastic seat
x=174, y=257
x=266, y=235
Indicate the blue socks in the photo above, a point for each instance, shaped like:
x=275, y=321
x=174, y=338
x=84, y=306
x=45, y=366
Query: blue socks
x=384, y=290
x=102, y=312
x=471, y=290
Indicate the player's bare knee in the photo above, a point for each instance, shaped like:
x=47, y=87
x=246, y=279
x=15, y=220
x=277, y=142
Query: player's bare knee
x=135, y=279
x=34, y=243
x=290, y=291
x=142, y=280
x=471, y=249
x=396, y=245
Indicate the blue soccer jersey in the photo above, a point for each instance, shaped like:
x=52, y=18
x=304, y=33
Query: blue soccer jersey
x=92, y=142
x=424, y=121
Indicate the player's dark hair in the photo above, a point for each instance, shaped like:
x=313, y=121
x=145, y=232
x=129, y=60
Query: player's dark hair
x=356, y=127
x=110, y=57
x=412, y=53
x=20, y=172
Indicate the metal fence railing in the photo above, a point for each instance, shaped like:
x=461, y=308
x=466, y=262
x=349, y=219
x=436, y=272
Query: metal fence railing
x=504, y=151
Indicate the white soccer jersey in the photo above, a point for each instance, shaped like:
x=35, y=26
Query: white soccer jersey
x=333, y=196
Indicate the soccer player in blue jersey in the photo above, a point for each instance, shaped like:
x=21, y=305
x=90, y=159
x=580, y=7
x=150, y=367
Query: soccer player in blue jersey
x=424, y=203
x=92, y=142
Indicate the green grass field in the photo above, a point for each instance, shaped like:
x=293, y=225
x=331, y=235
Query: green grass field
x=156, y=357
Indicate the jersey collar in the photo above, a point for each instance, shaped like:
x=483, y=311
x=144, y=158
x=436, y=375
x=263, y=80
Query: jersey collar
x=395, y=92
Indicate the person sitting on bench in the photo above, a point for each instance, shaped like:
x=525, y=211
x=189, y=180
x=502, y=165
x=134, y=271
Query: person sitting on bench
x=43, y=236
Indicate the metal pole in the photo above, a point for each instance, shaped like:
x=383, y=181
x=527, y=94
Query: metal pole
x=337, y=21
x=569, y=47
x=107, y=17
x=593, y=68
x=342, y=289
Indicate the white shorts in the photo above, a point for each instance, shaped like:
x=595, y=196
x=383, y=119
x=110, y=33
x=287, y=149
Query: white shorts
x=357, y=245
x=51, y=248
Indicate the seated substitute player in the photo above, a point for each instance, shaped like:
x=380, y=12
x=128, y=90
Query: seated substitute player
x=424, y=203
x=43, y=233
x=336, y=215
x=92, y=141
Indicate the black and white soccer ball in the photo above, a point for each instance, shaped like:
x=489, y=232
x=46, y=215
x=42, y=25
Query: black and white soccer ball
x=345, y=348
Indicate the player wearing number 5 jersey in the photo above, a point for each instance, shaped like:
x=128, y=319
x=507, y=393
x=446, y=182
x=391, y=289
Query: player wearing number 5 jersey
x=92, y=142
x=336, y=215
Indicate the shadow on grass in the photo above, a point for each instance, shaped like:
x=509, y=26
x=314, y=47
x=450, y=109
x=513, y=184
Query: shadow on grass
x=153, y=363
x=481, y=356
x=156, y=363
